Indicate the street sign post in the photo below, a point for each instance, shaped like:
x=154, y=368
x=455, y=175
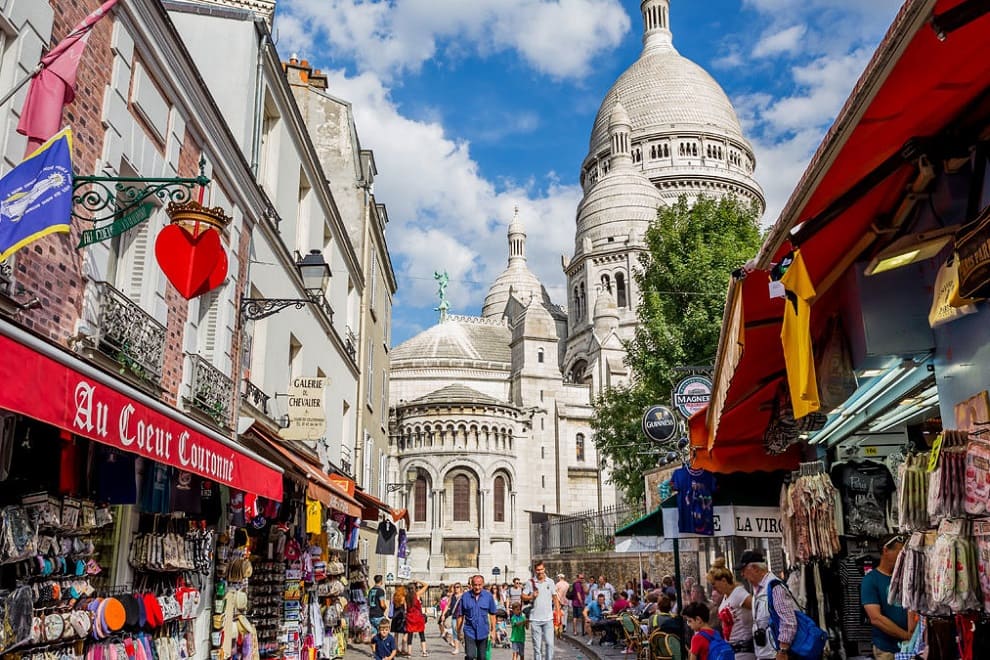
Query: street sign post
x=659, y=423
x=496, y=571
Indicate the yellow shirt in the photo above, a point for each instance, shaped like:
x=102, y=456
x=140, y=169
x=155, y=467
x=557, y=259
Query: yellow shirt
x=796, y=338
x=314, y=516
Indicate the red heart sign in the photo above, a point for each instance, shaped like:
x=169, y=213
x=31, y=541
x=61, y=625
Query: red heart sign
x=193, y=264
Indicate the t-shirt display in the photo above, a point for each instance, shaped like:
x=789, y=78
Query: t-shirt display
x=866, y=488
x=386, y=538
x=695, y=488
x=795, y=335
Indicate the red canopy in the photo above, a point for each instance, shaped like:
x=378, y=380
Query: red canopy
x=915, y=86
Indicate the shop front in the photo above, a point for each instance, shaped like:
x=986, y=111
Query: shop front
x=112, y=507
x=854, y=348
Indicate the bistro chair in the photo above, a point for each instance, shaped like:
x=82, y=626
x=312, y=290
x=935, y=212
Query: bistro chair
x=664, y=646
x=634, y=637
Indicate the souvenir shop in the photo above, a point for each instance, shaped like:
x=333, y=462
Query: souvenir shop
x=112, y=510
x=854, y=351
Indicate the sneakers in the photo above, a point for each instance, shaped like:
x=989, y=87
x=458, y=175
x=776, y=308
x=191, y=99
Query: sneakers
x=591, y=640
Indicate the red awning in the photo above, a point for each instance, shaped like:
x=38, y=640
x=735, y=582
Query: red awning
x=56, y=388
x=371, y=506
x=318, y=484
x=915, y=86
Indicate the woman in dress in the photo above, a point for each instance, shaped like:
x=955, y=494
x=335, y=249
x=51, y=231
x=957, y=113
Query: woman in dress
x=415, y=619
x=735, y=612
x=399, y=620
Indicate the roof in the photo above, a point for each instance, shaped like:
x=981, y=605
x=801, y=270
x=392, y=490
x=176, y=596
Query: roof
x=457, y=393
x=916, y=85
x=524, y=286
x=461, y=338
x=619, y=199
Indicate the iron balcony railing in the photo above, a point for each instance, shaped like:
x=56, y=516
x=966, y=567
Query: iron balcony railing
x=588, y=531
x=255, y=396
x=212, y=390
x=128, y=335
x=350, y=343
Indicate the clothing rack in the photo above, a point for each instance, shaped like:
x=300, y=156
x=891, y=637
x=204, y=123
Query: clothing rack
x=811, y=468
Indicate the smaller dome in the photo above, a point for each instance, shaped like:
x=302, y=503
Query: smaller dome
x=621, y=202
x=606, y=313
x=619, y=117
x=516, y=226
x=523, y=284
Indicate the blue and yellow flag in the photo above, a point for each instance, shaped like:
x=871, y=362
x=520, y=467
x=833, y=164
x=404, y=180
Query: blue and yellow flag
x=36, y=196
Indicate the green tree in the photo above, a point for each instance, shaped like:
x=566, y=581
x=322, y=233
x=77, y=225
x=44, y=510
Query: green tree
x=691, y=253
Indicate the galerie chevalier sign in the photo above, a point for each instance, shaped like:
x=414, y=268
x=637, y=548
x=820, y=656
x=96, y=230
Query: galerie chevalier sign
x=307, y=418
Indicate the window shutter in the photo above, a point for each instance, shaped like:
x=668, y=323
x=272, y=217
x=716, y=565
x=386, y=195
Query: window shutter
x=136, y=256
x=209, y=313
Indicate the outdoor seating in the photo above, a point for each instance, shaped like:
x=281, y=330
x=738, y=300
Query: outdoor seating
x=664, y=646
x=635, y=640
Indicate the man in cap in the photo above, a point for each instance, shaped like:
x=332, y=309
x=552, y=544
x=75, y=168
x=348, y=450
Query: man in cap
x=889, y=622
x=562, y=586
x=753, y=566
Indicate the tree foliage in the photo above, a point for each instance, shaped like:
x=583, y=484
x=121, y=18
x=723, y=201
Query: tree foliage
x=691, y=253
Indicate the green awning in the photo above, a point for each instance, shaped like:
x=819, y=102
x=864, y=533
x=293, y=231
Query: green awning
x=650, y=524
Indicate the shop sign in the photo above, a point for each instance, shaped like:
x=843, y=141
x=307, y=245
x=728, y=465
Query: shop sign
x=758, y=522
x=973, y=248
x=307, y=418
x=342, y=483
x=127, y=221
x=41, y=388
x=692, y=394
x=659, y=424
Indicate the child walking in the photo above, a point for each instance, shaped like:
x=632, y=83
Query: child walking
x=518, y=635
x=383, y=644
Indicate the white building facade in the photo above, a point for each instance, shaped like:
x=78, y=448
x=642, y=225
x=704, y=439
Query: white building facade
x=491, y=414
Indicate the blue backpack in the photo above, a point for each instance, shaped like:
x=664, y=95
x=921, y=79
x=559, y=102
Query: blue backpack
x=809, y=640
x=718, y=648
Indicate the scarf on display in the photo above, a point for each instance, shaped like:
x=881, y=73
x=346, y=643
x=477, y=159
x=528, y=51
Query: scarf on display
x=403, y=546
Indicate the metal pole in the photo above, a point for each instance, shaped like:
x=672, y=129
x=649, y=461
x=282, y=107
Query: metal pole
x=677, y=587
x=20, y=83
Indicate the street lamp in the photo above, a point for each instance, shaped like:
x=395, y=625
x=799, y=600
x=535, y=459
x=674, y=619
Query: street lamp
x=315, y=274
x=411, y=475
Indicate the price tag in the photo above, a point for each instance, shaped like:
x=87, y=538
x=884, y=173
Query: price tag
x=936, y=450
x=871, y=451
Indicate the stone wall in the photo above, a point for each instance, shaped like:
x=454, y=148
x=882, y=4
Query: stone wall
x=617, y=567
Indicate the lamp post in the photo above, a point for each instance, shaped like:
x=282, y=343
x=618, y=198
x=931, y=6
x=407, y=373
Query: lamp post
x=315, y=274
x=411, y=475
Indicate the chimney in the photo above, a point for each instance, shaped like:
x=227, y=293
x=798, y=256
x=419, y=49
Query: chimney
x=318, y=79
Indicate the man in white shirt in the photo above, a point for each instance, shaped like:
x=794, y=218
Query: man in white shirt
x=541, y=593
x=562, y=586
x=603, y=587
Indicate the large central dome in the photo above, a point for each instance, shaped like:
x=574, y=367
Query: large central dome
x=664, y=89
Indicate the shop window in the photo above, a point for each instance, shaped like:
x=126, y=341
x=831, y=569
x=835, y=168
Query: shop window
x=419, y=500
x=462, y=499
x=498, y=492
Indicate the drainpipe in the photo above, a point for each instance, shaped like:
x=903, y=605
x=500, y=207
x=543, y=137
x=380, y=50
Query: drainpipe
x=258, y=103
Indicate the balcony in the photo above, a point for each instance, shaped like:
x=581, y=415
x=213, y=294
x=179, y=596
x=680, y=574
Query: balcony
x=123, y=335
x=212, y=391
x=255, y=396
x=350, y=343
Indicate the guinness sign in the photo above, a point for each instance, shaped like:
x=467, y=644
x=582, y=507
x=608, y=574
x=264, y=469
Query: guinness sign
x=659, y=424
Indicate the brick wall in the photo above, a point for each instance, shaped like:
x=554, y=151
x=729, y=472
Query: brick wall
x=52, y=268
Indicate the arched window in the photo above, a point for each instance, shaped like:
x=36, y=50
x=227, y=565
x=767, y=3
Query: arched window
x=419, y=500
x=581, y=304
x=607, y=283
x=498, y=492
x=539, y=355
x=462, y=498
x=579, y=447
x=620, y=290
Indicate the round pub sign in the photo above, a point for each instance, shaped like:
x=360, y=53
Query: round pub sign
x=659, y=424
x=692, y=394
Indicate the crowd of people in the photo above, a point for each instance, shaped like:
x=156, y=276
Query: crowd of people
x=472, y=617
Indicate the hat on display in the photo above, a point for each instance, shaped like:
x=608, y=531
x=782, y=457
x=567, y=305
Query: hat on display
x=750, y=557
x=113, y=614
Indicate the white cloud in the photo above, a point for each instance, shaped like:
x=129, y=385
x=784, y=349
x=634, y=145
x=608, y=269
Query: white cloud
x=556, y=37
x=780, y=41
x=445, y=214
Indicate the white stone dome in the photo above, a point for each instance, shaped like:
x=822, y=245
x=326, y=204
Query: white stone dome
x=622, y=200
x=663, y=91
x=517, y=279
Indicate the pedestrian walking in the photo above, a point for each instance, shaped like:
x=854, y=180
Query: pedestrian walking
x=399, y=620
x=562, y=586
x=476, y=619
x=377, y=603
x=415, y=619
x=577, y=594
x=518, y=636
x=541, y=593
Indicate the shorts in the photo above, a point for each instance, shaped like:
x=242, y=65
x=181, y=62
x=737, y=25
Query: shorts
x=519, y=647
x=577, y=612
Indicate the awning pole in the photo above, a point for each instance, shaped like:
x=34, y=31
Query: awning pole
x=677, y=587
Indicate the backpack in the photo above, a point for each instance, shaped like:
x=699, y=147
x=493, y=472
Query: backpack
x=570, y=594
x=718, y=648
x=809, y=640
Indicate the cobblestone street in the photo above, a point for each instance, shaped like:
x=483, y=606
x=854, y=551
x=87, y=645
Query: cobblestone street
x=438, y=649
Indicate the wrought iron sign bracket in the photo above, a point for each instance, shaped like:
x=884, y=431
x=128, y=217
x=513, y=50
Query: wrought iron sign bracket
x=99, y=199
x=254, y=309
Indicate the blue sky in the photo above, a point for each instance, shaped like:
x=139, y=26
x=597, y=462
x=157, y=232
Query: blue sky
x=474, y=107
